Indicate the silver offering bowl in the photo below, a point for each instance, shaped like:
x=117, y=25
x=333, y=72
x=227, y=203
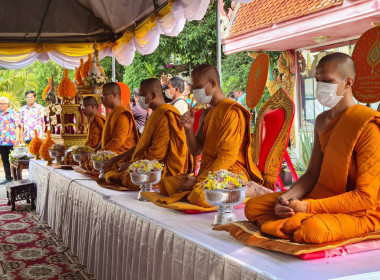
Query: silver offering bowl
x=225, y=200
x=59, y=155
x=78, y=158
x=98, y=165
x=146, y=180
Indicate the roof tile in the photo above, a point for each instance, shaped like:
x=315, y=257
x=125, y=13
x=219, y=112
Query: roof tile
x=263, y=13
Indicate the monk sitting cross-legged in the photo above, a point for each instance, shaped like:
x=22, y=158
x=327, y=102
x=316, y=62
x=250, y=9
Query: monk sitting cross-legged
x=120, y=132
x=223, y=138
x=163, y=139
x=96, y=123
x=338, y=197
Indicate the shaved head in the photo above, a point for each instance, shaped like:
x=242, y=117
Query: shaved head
x=207, y=71
x=343, y=63
x=90, y=100
x=112, y=88
x=152, y=85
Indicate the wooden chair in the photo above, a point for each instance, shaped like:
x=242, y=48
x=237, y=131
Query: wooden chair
x=271, y=138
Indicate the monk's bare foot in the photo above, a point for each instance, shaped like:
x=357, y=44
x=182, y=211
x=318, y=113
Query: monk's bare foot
x=254, y=189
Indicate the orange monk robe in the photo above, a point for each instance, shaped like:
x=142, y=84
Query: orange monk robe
x=163, y=139
x=120, y=132
x=95, y=130
x=227, y=145
x=345, y=202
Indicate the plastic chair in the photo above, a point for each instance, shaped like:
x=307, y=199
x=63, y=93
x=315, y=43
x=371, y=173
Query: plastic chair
x=271, y=138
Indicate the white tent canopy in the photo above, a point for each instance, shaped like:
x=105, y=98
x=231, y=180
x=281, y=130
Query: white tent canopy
x=64, y=31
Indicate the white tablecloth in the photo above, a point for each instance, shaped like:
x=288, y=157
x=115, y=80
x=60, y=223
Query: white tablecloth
x=118, y=237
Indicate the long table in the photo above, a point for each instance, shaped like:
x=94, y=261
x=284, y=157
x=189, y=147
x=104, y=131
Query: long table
x=118, y=237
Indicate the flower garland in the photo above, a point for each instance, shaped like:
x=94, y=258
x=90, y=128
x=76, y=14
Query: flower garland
x=44, y=149
x=46, y=90
x=86, y=67
x=66, y=87
x=144, y=165
x=77, y=76
x=35, y=144
x=223, y=179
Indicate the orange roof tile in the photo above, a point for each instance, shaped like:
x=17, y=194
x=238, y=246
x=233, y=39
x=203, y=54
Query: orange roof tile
x=264, y=13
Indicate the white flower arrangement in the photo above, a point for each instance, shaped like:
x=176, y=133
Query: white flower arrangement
x=95, y=80
x=223, y=179
x=143, y=166
x=17, y=155
x=57, y=147
x=81, y=149
x=103, y=155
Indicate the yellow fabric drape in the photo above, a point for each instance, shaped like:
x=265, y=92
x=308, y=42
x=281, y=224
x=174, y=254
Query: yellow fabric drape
x=18, y=51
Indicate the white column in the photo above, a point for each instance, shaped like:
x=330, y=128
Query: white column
x=218, y=42
x=113, y=69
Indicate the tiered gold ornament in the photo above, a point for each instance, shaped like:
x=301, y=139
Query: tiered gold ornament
x=68, y=124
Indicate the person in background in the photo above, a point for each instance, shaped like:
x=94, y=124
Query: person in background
x=164, y=79
x=232, y=96
x=96, y=122
x=120, y=130
x=187, y=92
x=163, y=139
x=9, y=136
x=240, y=96
x=140, y=114
x=174, y=91
x=31, y=118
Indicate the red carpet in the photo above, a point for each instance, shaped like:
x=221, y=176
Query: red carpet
x=32, y=251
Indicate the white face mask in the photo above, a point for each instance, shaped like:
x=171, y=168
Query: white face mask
x=168, y=95
x=142, y=103
x=200, y=95
x=326, y=94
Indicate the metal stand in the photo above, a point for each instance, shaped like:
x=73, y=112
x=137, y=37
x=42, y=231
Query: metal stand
x=144, y=188
x=225, y=215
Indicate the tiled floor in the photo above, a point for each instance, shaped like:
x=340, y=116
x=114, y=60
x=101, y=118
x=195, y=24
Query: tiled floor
x=3, y=192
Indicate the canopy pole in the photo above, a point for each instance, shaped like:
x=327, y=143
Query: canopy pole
x=218, y=42
x=113, y=69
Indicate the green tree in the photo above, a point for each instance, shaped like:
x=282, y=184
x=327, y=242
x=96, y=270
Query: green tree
x=195, y=45
x=14, y=101
x=107, y=66
x=14, y=83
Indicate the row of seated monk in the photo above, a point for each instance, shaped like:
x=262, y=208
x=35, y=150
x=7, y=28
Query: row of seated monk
x=338, y=196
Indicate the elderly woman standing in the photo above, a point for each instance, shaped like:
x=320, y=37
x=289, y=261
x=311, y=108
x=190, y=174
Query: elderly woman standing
x=9, y=135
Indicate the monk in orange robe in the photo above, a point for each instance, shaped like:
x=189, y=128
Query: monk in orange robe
x=338, y=197
x=120, y=132
x=95, y=126
x=223, y=138
x=163, y=139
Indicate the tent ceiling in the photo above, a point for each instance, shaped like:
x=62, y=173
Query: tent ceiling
x=51, y=21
